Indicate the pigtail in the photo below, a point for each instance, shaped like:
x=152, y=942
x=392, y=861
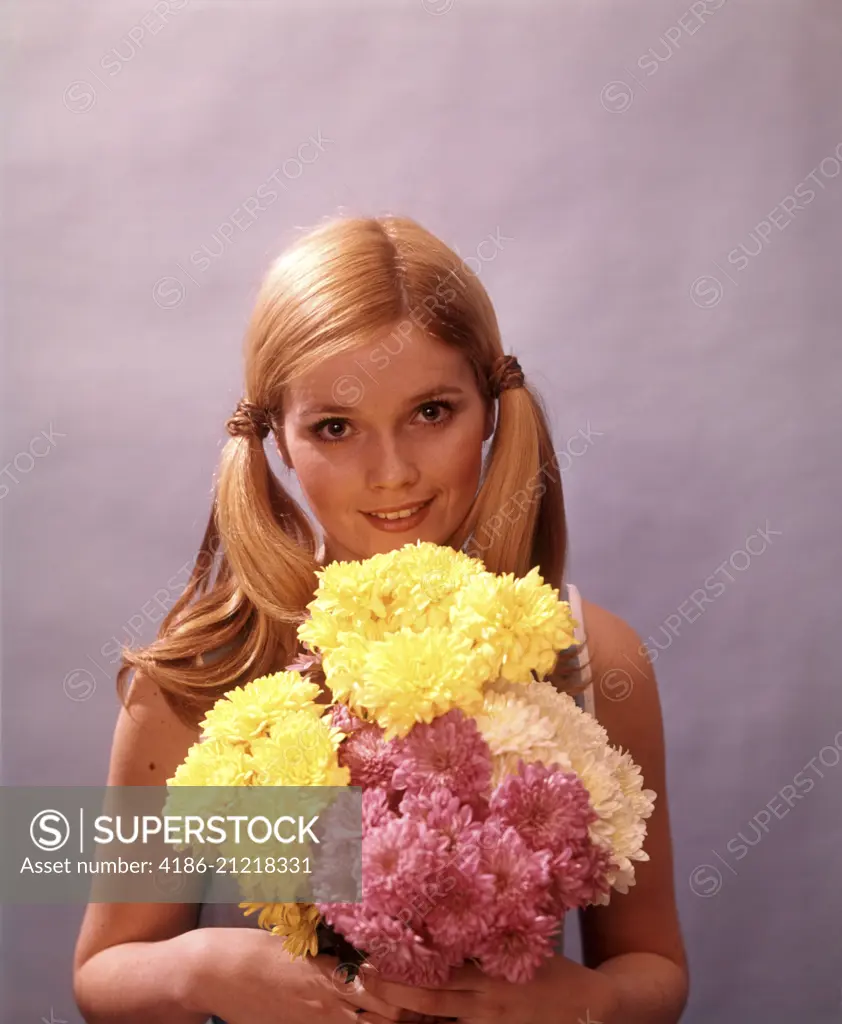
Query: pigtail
x=232, y=623
x=518, y=519
x=265, y=532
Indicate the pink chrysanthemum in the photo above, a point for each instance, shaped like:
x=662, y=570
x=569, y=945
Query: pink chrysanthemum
x=342, y=718
x=578, y=876
x=370, y=758
x=521, y=875
x=448, y=753
x=399, y=953
x=550, y=808
x=405, y=863
x=441, y=810
x=399, y=856
x=337, y=871
x=518, y=946
x=304, y=661
x=459, y=912
x=376, y=809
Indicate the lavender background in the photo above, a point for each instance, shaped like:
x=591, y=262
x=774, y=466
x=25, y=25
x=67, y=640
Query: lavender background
x=652, y=195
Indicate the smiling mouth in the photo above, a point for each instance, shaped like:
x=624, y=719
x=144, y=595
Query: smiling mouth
x=403, y=514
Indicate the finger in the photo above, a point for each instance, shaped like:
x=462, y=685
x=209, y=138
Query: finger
x=369, y=1017
x=468, y=978
x=436, y=1002
x=355, y=993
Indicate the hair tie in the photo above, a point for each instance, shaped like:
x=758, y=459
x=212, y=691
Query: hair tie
x=505, y=375
x=249, y=420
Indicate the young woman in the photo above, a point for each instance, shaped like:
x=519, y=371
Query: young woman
x=374, y=360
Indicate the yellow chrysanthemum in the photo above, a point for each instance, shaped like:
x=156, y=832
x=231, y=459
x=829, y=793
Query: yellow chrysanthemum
x=249, y=711
x=297, y=922
x=349, y=597
x=427, y=578
x=214, y=765
x=300, y=750
x=411, y=587
x=519, y=623
x=267, y=733
x=343, y=669
x=415, y=677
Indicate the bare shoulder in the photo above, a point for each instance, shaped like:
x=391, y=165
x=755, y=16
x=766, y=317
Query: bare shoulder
x=150, y=741
x=626, y=697
x=627, y=705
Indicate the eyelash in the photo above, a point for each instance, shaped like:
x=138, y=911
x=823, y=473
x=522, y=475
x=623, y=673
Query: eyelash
x=318, y=427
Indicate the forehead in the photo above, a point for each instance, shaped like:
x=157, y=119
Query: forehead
x=385, y=371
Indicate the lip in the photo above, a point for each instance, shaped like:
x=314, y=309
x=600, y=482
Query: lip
x=398, y=508
x=401, y=525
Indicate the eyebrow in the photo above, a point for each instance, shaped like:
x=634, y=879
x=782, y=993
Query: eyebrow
x=312, y=410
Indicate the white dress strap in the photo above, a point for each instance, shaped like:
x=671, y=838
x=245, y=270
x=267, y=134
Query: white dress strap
x=575, y=600
x=584, y=700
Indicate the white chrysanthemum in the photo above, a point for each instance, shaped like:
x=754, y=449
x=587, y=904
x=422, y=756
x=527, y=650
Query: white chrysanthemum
x=536, y=722
x=626, y=829
x=514, y=728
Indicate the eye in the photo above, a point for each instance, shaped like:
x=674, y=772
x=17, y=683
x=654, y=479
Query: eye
x=446, y=406
x=317, y=429
x=438, y=405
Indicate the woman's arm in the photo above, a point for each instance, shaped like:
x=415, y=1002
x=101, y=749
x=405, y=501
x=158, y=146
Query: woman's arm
x=131, y=959
x=141, y=983
x=636, y=940
x=648, y=988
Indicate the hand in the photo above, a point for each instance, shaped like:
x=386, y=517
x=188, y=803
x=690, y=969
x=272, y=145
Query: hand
x=245, y=976
x=560, y=992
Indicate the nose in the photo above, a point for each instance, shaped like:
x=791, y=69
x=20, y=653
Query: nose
x=391, y=465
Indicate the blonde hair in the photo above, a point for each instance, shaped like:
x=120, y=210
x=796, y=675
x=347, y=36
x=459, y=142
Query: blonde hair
x=331, y=290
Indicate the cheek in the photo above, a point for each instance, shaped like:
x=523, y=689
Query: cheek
x=458, y=462
x=324, y=482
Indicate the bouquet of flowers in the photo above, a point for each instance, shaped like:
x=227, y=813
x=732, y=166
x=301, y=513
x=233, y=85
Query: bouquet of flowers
x=491, y=804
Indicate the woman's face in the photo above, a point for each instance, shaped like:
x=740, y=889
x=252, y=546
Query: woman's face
x=372, y=431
